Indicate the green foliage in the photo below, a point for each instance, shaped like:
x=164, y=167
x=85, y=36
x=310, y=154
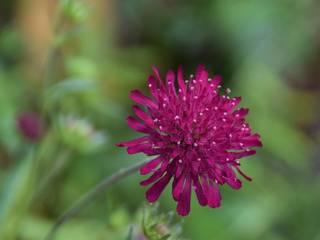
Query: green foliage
x=73, y=62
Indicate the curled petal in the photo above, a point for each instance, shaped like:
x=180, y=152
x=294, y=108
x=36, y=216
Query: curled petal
x=183, y=207
x=138, y=97
x=181, y=82
x=213, y=194
x=154, y=177
x=231, y=179
x=139, y=127
x=152, y=84
x=157, y=73
x=234, y=183
x=143, y=116
x=242, y=112
x=132, y=142
x=138, y=148
x=199, y=192
x=177, y=187
x=252, y=141
x=238, y=155
x=216, y=81
x=150, y=166
x=170, y=83
x=154, y=192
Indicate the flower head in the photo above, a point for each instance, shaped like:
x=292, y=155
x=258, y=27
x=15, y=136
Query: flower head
x=197, y=135
x=30, y=125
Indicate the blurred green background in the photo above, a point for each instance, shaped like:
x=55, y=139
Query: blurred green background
x=66, y=68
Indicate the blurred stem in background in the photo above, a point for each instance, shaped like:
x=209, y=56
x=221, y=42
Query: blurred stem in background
x=90, y=196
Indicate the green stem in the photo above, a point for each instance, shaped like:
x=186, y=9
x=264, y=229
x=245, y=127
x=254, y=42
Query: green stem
x=87, y=198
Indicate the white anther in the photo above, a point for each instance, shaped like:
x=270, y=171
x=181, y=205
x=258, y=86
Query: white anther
x=184, y=98
x=191, y=88
x=230, y=135
x=195, y=97
x=156, y=120
x=201, y=113
x=227, y=159
x=237, y=115
x=179, y=90
x=241, y=144
x=180, y=161
x=211, y=85
x=176, y=117
x=150, y=85
x=219, y=86
x=195, y=144
x=199, y=159
x=224, y=120
x=216, y=108
x=207, y=109
x=225, y=113
x=209, y=79
x=228, y=90
x=194, y=120
x=214, y=143
x=179, y=142
x=214, y=127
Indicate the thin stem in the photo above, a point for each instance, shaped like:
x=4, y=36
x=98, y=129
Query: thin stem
x=87, y=198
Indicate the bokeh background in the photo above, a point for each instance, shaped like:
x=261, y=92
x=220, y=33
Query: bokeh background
x=66, y=68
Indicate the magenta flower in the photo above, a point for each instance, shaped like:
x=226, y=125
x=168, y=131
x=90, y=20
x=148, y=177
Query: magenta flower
x=30, y=125
x=196, y=134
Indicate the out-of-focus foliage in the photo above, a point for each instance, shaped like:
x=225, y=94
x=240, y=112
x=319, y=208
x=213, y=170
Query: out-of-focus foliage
x=73, y=62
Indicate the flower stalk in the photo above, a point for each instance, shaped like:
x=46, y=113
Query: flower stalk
x=90, y=196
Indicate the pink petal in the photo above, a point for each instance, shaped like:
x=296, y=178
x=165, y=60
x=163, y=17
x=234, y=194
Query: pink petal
x=132, y=142
x=234, y=183
x=181, y=82
x=138, y=148
x=150, y=166
x=170, y=83
x=183, y=207
x=138, y=97
x=157, y=73
x=242, y=112
x=143, y=116
x=153, y=87
x=177, y=187
x=154, y=177
x=216, y=81
x=199, y=192
x=139, y=127
x=154, y=192
x=242, y=154
x=252, y=141
x=213, y=194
